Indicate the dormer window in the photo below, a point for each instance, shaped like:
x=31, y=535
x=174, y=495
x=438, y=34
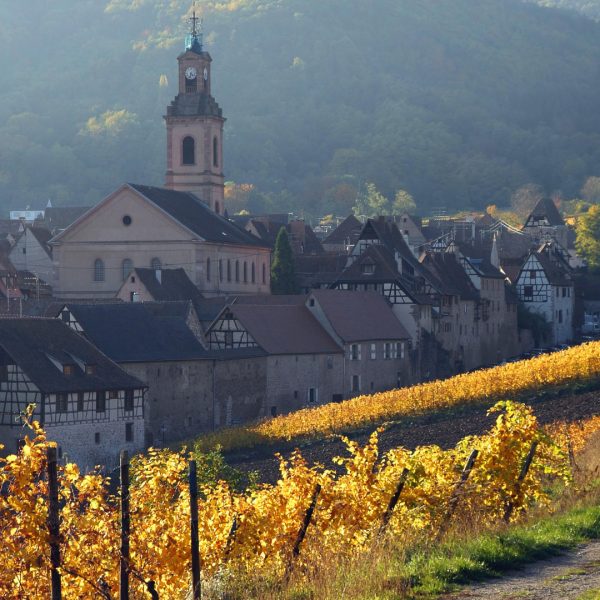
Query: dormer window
x=68, y=370
x=368, y=269
x=90, y=369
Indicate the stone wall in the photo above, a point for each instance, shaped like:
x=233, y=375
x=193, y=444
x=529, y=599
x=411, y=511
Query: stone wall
x=291, y=377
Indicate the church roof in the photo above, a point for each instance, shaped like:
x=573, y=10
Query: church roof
x=191, y=212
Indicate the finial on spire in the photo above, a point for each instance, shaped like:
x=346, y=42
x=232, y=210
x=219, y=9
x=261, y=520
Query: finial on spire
x=194, y=40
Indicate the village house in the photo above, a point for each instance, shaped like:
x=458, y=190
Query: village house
x=376, y=345
x=304, y=364
x=87, y=404
x=32, y=253
x=545, y=286
x=191, y=390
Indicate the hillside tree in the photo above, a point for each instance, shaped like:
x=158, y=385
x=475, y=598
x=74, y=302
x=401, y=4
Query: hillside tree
x=371, y=202
x=403, y=203
x=588, y=237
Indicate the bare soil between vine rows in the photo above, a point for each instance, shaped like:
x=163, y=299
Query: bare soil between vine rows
x=444, y=428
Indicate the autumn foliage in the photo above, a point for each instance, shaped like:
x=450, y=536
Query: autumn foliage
x=348, y=515
x=574, y=366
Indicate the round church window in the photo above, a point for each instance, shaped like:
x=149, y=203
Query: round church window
x=126, y=220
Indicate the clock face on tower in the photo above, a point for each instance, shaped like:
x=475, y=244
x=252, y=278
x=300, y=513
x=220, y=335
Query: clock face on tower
x=190, y=73
x=205, y=74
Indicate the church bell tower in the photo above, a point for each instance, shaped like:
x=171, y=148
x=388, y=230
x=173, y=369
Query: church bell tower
x=195, y=128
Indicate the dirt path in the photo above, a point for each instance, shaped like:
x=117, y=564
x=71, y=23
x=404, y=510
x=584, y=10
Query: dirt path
x=573, y=576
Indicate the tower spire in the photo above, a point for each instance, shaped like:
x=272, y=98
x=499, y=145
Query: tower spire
x=194, y=40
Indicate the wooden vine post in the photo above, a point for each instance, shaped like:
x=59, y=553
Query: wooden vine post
x=393, y=501
x=303, y=528
x=194, y=541
x=524, y=470
x=125, y=527
x=456, y=494
x=54, y=524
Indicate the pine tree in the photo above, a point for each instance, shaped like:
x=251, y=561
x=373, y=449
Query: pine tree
x=283, y=272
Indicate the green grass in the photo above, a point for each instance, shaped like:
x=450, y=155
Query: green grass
x=438, y=570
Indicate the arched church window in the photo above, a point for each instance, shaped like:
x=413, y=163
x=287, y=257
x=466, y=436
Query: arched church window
x=215, y=152
x=228, y=270
x=98, y=270
x=155, y=264
x=253, y=273
x=237, y=270
x=245, y=272
x=189, y=151
x=127, y=267
x=208, y=269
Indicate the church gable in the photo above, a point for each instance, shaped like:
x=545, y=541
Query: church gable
x=125, y=216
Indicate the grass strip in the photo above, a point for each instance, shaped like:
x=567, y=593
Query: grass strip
x=434, y=571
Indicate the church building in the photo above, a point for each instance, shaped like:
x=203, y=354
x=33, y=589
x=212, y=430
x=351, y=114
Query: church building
x=178, y=226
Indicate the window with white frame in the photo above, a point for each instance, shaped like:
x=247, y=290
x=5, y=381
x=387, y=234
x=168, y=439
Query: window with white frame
x=373, y=351
x=387, y=351
x=400, y=349
x=355, y=352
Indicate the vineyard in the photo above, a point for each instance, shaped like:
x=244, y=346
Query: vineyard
x=273, y=530
x=578, y=365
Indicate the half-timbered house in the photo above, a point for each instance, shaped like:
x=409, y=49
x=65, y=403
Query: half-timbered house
x=88, y=405
x=191, y=390
x=304, y=363
x=545, y=286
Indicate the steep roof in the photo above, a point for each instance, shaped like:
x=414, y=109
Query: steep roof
x=32, y=343
x=43, y=236
x=555, y=274
x=545, y=208
x=132, y=332
x=60, y=217
x=454, y=279
x=281, y=329
x=359, y=316
x=191, y=212
x=479, y=257
x=347, y=230
x=174, y=285
x=384, y=265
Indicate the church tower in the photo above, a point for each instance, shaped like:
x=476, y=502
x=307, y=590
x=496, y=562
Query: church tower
x=195, y=128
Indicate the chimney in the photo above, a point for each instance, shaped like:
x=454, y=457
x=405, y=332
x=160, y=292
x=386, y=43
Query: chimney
x=158, y=274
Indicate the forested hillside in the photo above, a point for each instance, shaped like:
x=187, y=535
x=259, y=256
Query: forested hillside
x=457, y=102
